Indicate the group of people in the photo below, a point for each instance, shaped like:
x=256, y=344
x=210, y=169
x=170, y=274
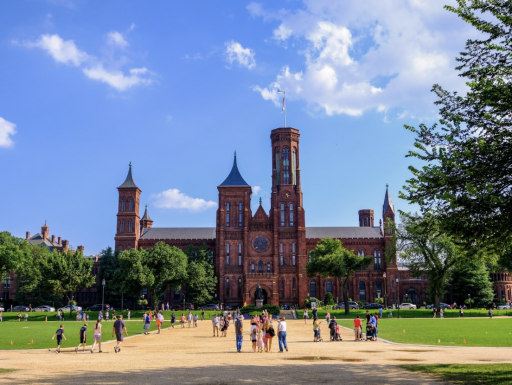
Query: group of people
x=372, y=327
x=262, y=332
x=334, y=328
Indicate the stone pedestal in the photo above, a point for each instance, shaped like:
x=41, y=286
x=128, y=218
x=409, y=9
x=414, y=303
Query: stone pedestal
x=259, y=303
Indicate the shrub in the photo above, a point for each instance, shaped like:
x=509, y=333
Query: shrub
x=379, y=300
x=328, y=299
x=250, y=309
x=307, y=303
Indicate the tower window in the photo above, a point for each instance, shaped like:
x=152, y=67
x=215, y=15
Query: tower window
x=227, y=287
x=312, y=289
x=130, y=205
x=240, y=207
x=309, y=256
x=293, y=260
x=227, y=254
x=281, y=260
x=227, y=220
x=286, y=166
x=239, y=254
x=293, y=248
x=123, y=205
x=227, y=206
x=239, y=287
x=239, y=219
x=121, y=227
x=328, y=287
x=130, y=226
x=291, y=219
x=281, y=248
x=281, y=288
x=282, y=206
x=294, y=288
x=260, y=267
x=252, y=267
x=291, y=206
x=268, y=267
x=282, y=219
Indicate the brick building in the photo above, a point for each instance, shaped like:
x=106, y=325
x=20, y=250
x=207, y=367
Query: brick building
x=271, y=249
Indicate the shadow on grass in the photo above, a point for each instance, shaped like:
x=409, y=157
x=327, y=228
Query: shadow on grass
x=468, y=374
x=277, y=373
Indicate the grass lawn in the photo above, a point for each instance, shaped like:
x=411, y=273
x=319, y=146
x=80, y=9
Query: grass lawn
x=416, y=313
x=22, y=333
x=468, y=374
x=449, y=332
x=7, y=370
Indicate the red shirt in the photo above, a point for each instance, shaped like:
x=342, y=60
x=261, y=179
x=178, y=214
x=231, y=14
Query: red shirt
x=357, y=322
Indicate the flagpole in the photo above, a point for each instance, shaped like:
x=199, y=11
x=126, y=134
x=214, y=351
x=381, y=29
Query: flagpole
x=284, y=106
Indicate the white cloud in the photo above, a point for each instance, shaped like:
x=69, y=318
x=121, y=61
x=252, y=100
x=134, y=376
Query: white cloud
x=256, y=190
x=117, y=79
x=116, y=39
x=362, y=56
x=244, y=56
x=65, y=51
x=6, y=130
x=62, y=51
x=174, y=199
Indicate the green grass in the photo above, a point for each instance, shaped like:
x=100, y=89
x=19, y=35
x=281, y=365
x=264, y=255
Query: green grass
x=22, y=333
x=450, y=332
x=7, y=370
x=468, y=373
x=417, y=313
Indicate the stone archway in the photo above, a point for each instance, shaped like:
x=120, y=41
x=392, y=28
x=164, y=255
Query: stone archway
x=267, y=294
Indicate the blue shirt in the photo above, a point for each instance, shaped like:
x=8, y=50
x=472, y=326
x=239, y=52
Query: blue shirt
x=148, y=321
x=373, y=321
x=173, y=318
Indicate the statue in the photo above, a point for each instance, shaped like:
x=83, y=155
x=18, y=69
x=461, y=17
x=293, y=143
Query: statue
x=259, y=293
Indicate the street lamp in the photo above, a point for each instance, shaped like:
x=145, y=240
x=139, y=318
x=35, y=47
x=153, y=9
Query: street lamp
x=398, y=296
x=103, y=283
x=385, y=291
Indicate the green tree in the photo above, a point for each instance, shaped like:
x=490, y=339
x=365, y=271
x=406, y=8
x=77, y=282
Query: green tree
x=201, y=281
x=109, y=266
x=67, y=272
x=328, y=299
x=466, y=178
x=331, y=259
x=29, y=275
x=472, y=277
x=10, y=253
x=155, y=269
x=426, y=250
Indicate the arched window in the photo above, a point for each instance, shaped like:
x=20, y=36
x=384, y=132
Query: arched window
x=312, y=289
x=377, y=259
x=291, y=206
x=412, y=294
x=239, y=287
x=294, y=288
x=130, y=226
x=260, y=267
x=281, y=288
x=278, y=167
x=309, y=256
x=121, y=227
x=227, y=287
x=240, y=207
x=360, y=253
x=286, y=166
x=293, y=260
x=281, y=248
x=120, y=248
x=293, y=248
x=252, y=267
x=227, y=206
x=268, y=267
x=362, y=291
x=378, y=289
x=328, y=287
x=227, y=254
x=130, y=205
x=282, y=219
x=239, y=254
x=227, y=215
x=291, y=214
x=281, y=260
x=123, y=205
x=239, y=215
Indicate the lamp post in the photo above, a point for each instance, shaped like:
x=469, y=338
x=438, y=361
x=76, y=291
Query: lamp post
x=398, y=296
x=385, y=291
x=103, y=283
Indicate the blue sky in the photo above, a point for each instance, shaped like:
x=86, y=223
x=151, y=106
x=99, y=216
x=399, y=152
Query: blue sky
x=176, y=87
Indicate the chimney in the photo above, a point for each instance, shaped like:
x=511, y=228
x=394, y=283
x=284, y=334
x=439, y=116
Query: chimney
x=28, y=235
x=366, y=218
x=65, y=245
x=53, y=239
x=59, y=241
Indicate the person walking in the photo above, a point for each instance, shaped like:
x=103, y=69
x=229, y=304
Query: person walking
x=328, y=318
x=381, y=311
x=118, y=329
x=315, y=313
x=239, y=329
x=202, y=315
x=490, y=313
x=147, y=324
x=129, y=314
x=173, y=319
x=316, y=326
x=196, y=317
x=19, y=317
x=332, y=327
x=1, y=316
x=215, y=324
x=83, y=335
x=167, y=306
x=60, y=335
x=269, y=335
x=281, y=334
x=441, y=312
x=97, y=336
x=357, y=329
x=26, y=316
x=182, y=320
x=461, y=312
x=189, y=318
x=159, y=321
x=305, y=316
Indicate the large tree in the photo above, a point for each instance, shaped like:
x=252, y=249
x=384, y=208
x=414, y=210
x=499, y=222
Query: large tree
x=67, y=272
x=155, y=269
x=201, y=282
x=426, y=250
x=109, y=266
x=331, y=259
x=472, y=278
x=466, y=176
x=11, y=253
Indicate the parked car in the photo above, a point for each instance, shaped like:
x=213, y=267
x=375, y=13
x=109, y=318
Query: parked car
x=2, y=308
x=97, y=307
x=351, y=304
x=66, y=308
x=19, y=308
x=211, y=306
x=504, y=307
x=43, y=308
x=408, y=306
x=442, y=305
x=373, y=306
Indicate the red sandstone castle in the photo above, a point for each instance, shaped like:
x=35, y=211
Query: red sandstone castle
x=271, y=249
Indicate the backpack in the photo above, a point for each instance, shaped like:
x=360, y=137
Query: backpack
x=271, y=332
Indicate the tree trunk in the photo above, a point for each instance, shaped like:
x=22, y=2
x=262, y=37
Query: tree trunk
x=437, y=302
x=345, y=297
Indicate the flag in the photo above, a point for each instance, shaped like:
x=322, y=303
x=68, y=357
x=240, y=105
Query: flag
x=284, y=107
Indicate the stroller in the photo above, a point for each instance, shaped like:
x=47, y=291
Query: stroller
x=319, y=334
x=370, y=332
x=337, y=335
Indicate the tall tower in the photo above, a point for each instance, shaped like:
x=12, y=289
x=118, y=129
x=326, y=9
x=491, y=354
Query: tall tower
x=127, y=234
x=233, y=216
x=286, y=211
x=391, y=267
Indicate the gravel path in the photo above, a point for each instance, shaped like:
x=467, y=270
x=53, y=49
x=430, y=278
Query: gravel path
x=193, y=356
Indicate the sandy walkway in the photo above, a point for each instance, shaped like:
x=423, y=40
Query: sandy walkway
x=193, y=356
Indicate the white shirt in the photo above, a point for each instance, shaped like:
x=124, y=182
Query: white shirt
x=282, y=326
x=215, y=321
x=189, y=316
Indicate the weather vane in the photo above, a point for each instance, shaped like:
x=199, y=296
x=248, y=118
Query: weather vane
x=284, y=105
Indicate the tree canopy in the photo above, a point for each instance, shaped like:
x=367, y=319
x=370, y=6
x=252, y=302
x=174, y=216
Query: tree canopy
x=466, y=178
x=472, y=278
x=201, y=282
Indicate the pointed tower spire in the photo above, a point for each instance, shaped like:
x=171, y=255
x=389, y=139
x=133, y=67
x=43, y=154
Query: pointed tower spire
x=146, y=215
x=234, y=178
x=260, y=202
x=129, y=183
x=387, y=202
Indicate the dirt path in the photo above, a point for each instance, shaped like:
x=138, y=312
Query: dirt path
x=193, y=356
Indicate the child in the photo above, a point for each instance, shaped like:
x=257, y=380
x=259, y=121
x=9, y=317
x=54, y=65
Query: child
x=260, y=342
x=83, y=334
x=19, y=317
x=254, y=339
x=196, y=317
x=114, y=318
x=490, y=312
x=148, y=323
x=60, y=334
x=441, y=312
x=97, y=335
x=173, y=320
x=1, y=317
x=390, y=315
x=107, y=313
x=328, y=317
x=26, y=316
x=129, y=314
x=182, y=320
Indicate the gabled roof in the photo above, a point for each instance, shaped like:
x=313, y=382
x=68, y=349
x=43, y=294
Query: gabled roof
x=179, y=233
x=146, y=215
x=387, y=202
x=343, y=232
x=38, y=239
x=129, y=183
x=234, y=178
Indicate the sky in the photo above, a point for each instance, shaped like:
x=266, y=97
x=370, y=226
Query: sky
x=86, y=87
